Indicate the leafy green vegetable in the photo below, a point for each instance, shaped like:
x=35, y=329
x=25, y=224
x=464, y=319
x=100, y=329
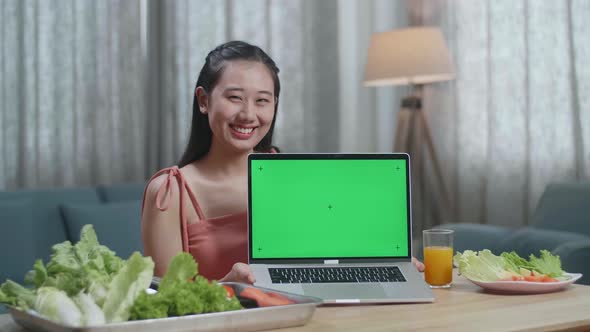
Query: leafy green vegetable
x=514, y=262
x=38, y=275
x=95, y=256
x=79, y=310
x=547, y=264
x=74, y=268
x=16, y=295
x=183, y=292
x=3, y=297
x=485, y=266
x=181, y=268
x=99, y=286
x=150, y=306
x=87, y=284
x=72, y=282
x=55, y=305
x=91, y=312
x=82, y=284
x=458, y=258
x=133, y=279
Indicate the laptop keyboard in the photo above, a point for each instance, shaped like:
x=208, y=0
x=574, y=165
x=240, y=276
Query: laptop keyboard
x=335, y=274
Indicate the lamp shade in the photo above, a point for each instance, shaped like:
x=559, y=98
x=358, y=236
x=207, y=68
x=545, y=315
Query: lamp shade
x=408, y=56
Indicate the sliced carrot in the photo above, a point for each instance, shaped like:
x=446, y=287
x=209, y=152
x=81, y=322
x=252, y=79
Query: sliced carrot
x=548, y=279
x=271, y=302
x=264, y=299
x=229, y=290
x=252, y=293
x=279, y=297
x=536, y=278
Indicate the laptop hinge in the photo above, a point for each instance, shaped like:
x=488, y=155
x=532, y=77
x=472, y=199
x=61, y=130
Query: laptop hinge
x=331, y=261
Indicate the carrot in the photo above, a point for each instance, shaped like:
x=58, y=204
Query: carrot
x=252, y=293
x=229, y=290
x=535, y=278
x=548, y=279
x=264, y=299
x=270, y=301
x=280, y=297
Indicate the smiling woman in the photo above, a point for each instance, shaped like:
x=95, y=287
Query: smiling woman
x=200, y=205
x=241, y=107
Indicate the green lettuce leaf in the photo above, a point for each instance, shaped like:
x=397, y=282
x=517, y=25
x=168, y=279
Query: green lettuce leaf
x=485, y=266
x=92, y=255
x=85, y=266
x=183, y=292
x=463, y=257
x=98, y=286
x=92, y=315
x=514, y=262
x=16, y=295
x=63, y=259
x=72, y=283
x=131, y=280
x=38, y=275
x=3, y=297
x=182, y=267
x=148, y=306
x=55, y=305
x=547, y=264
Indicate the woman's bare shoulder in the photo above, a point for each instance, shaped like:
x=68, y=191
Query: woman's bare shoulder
x=165, y=183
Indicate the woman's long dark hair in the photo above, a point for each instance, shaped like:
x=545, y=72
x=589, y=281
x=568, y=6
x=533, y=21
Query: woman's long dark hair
x=201, y=134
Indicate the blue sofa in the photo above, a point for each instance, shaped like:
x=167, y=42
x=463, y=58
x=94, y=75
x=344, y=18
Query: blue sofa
x=31, y=221
x=560, y=224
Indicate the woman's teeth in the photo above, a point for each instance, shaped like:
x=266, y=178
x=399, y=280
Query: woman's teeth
x=243, y=130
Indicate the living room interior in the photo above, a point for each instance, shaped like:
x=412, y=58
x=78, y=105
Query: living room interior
x=97, y=96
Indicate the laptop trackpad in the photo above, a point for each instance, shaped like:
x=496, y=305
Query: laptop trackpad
x=344, y=291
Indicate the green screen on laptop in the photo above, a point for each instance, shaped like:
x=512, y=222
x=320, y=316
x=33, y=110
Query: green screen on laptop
x=341, y=207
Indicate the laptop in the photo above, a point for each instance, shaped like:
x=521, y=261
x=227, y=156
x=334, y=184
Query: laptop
x=333, y=226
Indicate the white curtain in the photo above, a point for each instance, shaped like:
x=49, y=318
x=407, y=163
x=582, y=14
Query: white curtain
x=101, y=91
x=72, y=93
x=517, y=117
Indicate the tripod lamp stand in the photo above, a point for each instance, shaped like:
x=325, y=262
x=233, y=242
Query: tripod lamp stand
x=413, y=57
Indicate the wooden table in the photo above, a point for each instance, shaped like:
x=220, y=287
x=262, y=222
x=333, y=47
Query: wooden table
x=464, y=307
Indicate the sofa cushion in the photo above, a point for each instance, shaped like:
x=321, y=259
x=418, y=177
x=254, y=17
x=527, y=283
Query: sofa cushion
x=477, y=236
x=117, y=225
x=121, y=192
x=16, y=239
x=47, y=222
x=472, y=237
x=528, y=240
x=575, y=257
x=564, y=207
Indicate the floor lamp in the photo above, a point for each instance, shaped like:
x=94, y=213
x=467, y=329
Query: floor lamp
x=414, y=57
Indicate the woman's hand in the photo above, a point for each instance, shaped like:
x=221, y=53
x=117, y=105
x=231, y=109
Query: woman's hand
x=240, y=272
x=419, y=265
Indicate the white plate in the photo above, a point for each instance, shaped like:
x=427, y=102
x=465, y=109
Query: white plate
x=527, y=287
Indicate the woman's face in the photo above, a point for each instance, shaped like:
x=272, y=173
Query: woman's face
x=241, y=106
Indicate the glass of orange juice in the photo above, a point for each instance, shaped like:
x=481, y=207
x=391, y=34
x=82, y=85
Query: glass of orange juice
x=438, y=257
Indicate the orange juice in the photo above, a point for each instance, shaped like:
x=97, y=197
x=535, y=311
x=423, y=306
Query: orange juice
x=439, y=265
